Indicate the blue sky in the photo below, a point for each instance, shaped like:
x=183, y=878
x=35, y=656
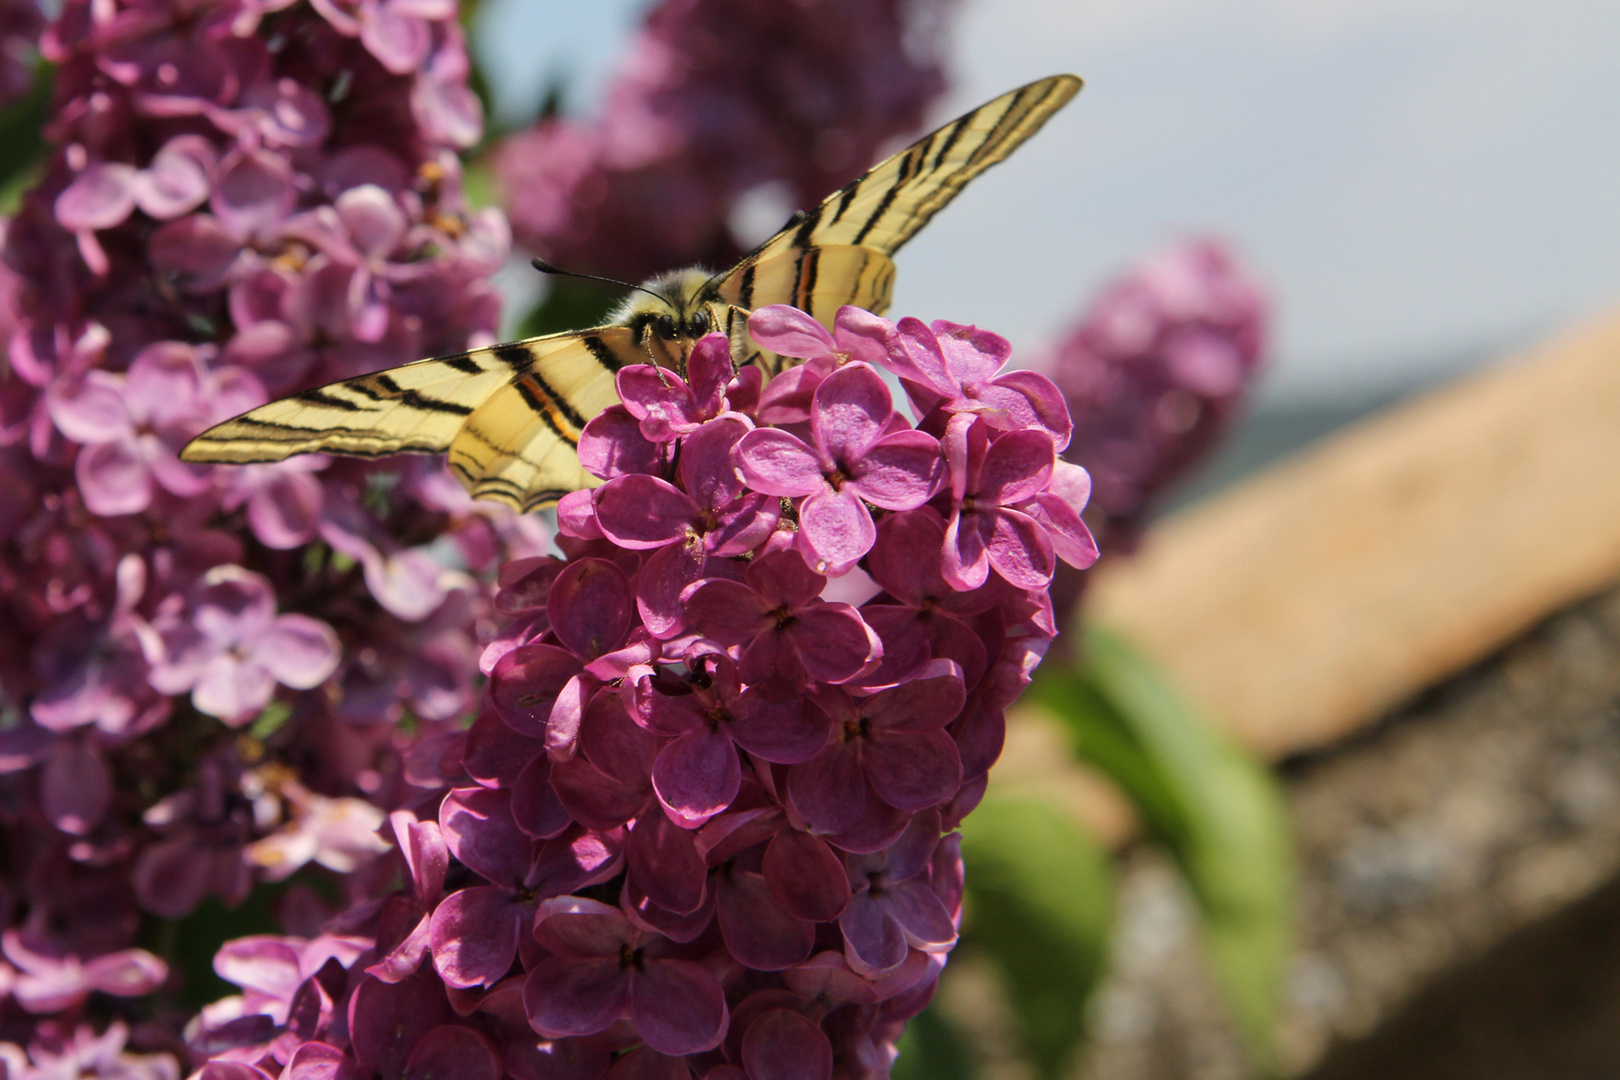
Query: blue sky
x=1418, y=181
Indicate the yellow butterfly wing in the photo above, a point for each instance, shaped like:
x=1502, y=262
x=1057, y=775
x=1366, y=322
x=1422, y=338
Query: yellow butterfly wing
x=839, y=252
x=509, y=416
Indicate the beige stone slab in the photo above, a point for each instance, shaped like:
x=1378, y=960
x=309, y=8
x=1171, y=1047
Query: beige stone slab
x=1327, y=590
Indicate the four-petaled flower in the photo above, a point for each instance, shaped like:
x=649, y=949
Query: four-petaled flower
x=231, y=648
x=859, y=453
x=603, y=968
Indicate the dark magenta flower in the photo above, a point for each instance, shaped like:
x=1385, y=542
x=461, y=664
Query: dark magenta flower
x=475, y=931
x=857, y=336
x=604, y=968
x=787, y=633
x=995, y=486
x=1155, y=373
x=854, y=458
x=891, y=745
x=697, y=774
x=667, y=406
x=894, y=909
x=958, y=369
x=229, y=648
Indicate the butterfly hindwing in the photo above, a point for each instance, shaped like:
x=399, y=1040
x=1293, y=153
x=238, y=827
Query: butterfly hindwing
x=880, y=211
x=520, y=445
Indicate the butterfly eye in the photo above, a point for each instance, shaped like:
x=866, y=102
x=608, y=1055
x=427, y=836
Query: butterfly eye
x=700, y=324
x=665, y=327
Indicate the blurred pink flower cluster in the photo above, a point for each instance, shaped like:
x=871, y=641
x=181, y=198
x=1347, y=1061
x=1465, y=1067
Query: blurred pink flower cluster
x=210, y=676
x=703, y=825
x=20, y=24
x=717, y=99
x=1155, y=373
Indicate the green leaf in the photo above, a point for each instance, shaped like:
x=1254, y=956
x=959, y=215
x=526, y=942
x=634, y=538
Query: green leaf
x=22, y=139
x=570, y=304
x=1217, y=811
x=1040, y=904
x=931, y=1050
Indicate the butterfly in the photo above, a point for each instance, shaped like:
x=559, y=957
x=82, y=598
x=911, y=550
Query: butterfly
x=509, y=417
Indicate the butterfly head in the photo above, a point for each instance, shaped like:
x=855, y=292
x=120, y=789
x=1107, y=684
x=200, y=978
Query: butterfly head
x=670, y=312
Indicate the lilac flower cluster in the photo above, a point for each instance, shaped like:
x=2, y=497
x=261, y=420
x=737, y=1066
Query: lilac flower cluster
x=1154, y=375
x=718, y=98
x=703, y=825
x=203, y=671
x=20, y=24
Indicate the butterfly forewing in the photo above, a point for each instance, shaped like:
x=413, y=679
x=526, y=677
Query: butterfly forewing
x=462, y=404
x=415, y=408
x=883, y=209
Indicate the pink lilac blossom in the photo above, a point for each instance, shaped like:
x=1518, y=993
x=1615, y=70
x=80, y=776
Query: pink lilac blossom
x=214, y=677
x=79, y=1053
x=20, y=24
x=717, y=99
x=704, y=824
x=1155, y=374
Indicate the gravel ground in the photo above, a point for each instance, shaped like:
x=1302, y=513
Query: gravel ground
x=1457, y=913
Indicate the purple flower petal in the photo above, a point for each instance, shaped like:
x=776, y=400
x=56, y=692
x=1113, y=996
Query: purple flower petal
x=114, y=478
x=835, y=529
x=913, y=772
x=778, y=463
x=75, y=787
x=298, y=651
x=833, y=642
x=1021, y=551
x=665, y=863
x=874, y=942
x=785, y=1045
x=254, y=190
x=452, y=1052
x=480, y=831
x=100, y=197
x=697, y=775
x=784, y=732
x=564, y=996
x=804, y=875
x=311, y=1061
x=850, y=412
x=1016, y=466
x=679, y=1007
x=639, y=512
x=178, y=179
x=91, y=409
x=756, y=930
x=525, y=685
x=590, y=606
x=727, y=611
x=830, y=789
x=970, y=354
x=790, y=332
x=474, y=933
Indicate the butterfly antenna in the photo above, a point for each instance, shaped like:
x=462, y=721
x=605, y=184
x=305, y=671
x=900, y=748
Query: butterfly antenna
x=546, y=268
